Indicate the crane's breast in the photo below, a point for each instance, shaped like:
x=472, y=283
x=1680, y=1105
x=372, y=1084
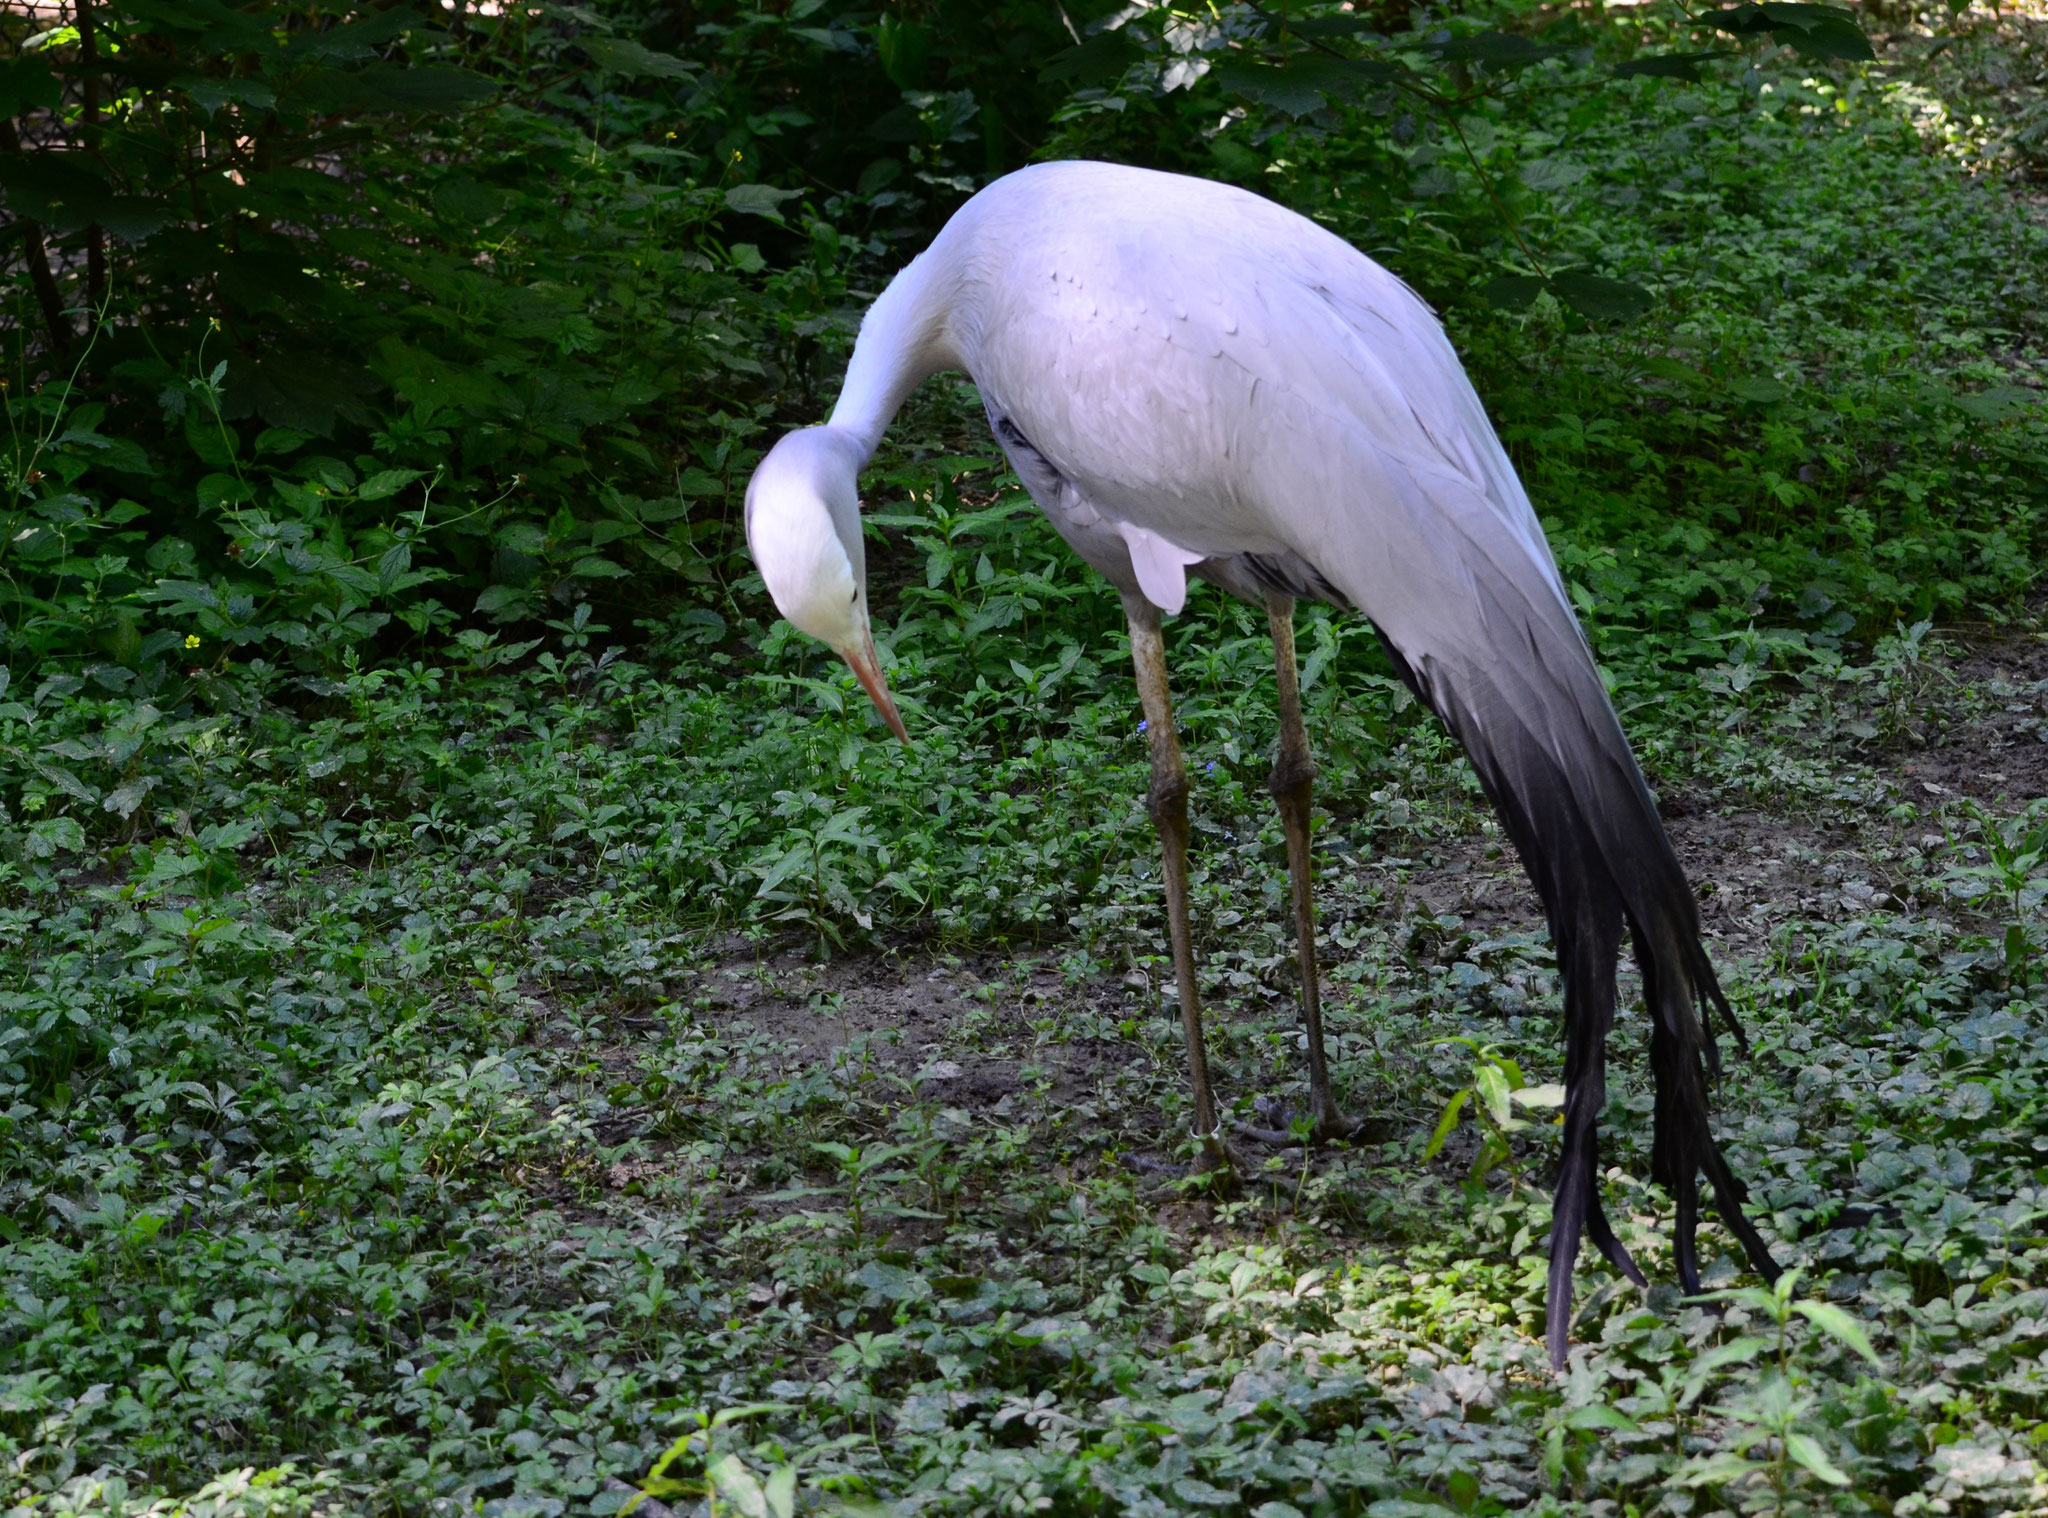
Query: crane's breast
x=1151, y=397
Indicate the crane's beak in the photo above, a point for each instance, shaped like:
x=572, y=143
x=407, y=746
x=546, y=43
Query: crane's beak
x=867, y=668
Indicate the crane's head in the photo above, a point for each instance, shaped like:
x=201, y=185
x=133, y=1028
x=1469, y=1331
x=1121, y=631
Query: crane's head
x=803, y=525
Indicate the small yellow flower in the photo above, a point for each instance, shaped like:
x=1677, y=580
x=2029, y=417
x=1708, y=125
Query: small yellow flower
x=191, y=640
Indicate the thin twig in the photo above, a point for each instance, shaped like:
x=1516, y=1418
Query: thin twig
x=47, y=294
x=1486, y=183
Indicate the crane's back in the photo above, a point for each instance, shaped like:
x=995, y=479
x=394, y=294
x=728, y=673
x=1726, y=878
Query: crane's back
x=1206, y=363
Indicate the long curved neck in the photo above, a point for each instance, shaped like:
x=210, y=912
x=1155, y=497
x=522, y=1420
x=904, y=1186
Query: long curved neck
x=904, y=339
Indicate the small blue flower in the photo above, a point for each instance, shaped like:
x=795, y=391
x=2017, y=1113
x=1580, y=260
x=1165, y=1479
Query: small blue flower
x=1143, y=724
x=1210, y=768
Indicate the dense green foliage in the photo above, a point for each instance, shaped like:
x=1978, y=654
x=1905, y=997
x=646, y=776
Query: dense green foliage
x=430, y=1068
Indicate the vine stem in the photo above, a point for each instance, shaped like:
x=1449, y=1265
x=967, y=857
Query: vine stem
x=1500, y=209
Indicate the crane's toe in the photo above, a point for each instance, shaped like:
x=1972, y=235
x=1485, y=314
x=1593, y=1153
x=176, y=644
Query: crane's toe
x=1320, y=1123
x=1213, y=1160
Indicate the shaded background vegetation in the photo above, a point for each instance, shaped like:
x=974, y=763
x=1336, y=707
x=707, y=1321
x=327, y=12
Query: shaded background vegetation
x=401, y=768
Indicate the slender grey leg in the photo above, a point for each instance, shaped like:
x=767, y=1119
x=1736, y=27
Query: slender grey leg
x=1167, y=801
x=1292, y=785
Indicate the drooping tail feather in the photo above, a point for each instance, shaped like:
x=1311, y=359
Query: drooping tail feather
x=1525, y=700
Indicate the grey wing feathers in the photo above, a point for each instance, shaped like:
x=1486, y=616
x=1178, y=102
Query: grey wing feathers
x=1481, y=638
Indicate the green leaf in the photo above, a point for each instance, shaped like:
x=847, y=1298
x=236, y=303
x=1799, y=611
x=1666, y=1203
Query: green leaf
x=470, y=202
x=1805, y=1449
x=1814, y=31
x=210, y=93
x=281, y=440
x=1600, y=299
x=390, y=87
x=1511, y=292
x=759, y=200
x=1818, y=31
x=1999, y=403
x=288, y=392
x=1761, y=389
x=1446, y=1123
x=1755, y=1298
x=1717, y=1470
x=1672, y=370
x=1553, y=173
x=1495, y=50
x=1736, y=1352
x=1234, y=158
x=1599, y=1415
x=780, y=1489
x=25, y=85
x=1104, y=56
x=904, y=48
x=1491, y=1082
x=892, y=1281
x=620, y=55
x=739, y=1486
x=431, y=88
x=1305, y=83
x=1838, y=1324
x=1684, y=66
x=385, y=483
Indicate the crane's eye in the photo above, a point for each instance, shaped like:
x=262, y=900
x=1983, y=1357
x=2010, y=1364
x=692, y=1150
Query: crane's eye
x=854, y=597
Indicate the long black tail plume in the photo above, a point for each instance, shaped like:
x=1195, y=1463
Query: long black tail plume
x=1549, y=750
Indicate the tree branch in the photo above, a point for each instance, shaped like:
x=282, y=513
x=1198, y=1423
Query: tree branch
x=39, y=275
x=95, y=235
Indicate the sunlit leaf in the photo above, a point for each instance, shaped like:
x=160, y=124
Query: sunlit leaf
x=1805, y=1449
x=1838, y=1324
x=1491, y=1082
x=1446, y=1123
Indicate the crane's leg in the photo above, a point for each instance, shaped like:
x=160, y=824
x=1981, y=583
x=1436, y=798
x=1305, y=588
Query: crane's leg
x=1292, y=785
x=1167, y=801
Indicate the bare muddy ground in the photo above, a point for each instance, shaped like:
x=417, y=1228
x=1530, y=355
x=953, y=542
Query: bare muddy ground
x=994, y=1034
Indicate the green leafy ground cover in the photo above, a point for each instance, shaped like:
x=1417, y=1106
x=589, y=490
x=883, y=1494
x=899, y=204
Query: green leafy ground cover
x=453, y=1058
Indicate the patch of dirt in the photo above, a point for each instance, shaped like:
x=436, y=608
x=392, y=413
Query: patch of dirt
x=2001, y=753
x=1749, y=869
x=960, y=1031
x=995, y=1034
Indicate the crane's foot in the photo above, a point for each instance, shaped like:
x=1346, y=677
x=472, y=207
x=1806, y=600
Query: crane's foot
x=1285, y=1126
x=1214, y=1164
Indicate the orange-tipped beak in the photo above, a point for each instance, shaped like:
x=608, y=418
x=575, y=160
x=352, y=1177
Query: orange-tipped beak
x=866, y=665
